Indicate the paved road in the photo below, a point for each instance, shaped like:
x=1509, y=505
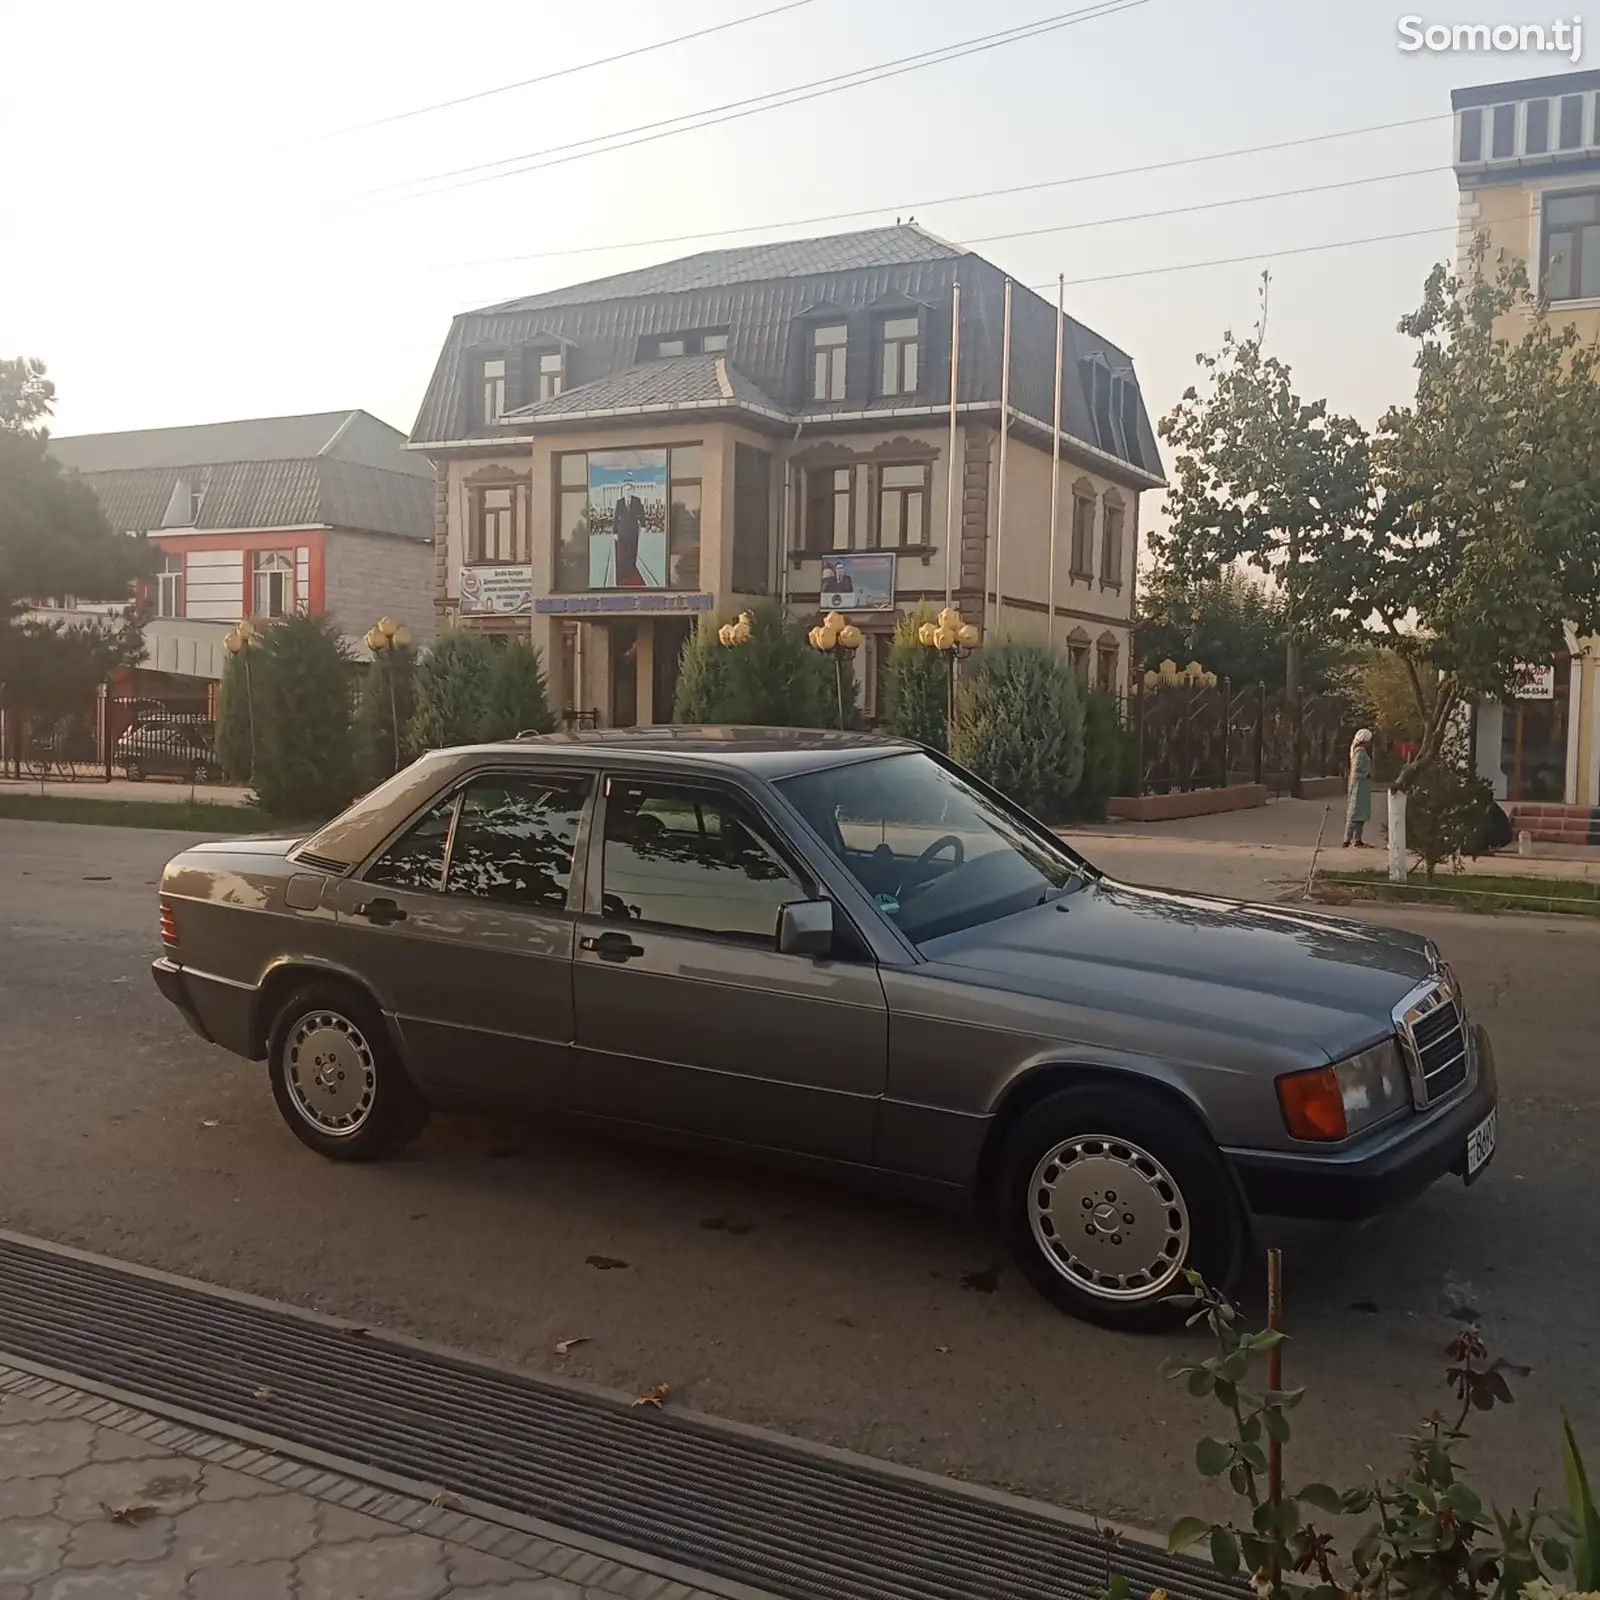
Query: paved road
x=824, y=1313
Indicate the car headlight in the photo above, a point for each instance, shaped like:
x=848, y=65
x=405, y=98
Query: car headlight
x=1331, y=1103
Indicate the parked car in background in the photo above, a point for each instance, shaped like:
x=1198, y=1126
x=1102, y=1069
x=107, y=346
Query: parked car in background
x=168, y=744
x=844, y=954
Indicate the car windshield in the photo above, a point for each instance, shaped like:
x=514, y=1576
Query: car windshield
x=936, y=854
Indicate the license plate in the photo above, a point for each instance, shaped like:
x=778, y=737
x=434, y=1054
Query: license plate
x=1480, y=1145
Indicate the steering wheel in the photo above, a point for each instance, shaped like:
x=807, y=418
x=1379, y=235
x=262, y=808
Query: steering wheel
x=917, y=874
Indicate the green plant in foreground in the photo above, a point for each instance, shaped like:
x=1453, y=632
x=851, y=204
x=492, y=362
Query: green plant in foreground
x=1428, y=1536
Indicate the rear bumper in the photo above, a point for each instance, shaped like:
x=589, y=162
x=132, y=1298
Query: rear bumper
x=221, y=1011
x=1394, y=1166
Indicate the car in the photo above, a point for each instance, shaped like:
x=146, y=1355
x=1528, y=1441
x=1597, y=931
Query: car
x=844, y=954
x=168, y=745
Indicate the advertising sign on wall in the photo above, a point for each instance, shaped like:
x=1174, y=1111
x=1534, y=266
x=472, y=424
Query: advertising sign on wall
x=1535, y=683
x=496, y=591
x=857, y=583
x=627, y=519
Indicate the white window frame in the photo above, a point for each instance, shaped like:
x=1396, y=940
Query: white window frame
x=493, y=377
x=169, y=586
x=270, y=565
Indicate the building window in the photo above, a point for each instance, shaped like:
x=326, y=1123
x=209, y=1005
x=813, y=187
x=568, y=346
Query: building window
x=1536, y=135
x=827, y=361
x=1078, y=660
x=830, y=508
x=1503, y=133
x=666, y=348
x=1106, y=676
x=552, y=374
x=494, y=389
x=1471, y=147
x=900, y=355
x=169, y=587
x=903, y=506
x=713, y=343
x=1570, y=132
x=683, y=529
x=752, y=520
x=497, y=534
x=272, y=584
x=1082, y=564
x=1570, y=269
x=1111, y=524
x=659, y=548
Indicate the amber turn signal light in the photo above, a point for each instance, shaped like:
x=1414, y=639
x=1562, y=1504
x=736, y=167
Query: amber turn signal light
x=1313, y=1106
x=169, y=928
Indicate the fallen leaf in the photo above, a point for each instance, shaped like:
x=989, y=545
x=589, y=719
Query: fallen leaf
x=605, y=1263
x=130, y=1511
x=263, y=1393
x=653, y=1397
x=941, y=1349
x=566, y=1346
x=210, y=1122
x=446, y=1500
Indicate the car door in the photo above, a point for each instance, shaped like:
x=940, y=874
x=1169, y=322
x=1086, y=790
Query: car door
x=687, y=1015
x=463, y=927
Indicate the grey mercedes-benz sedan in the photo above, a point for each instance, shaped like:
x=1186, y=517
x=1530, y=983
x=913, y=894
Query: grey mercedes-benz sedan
x=844, y=954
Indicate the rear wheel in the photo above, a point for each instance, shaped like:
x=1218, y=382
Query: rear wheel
x=337, y=1077
x=133, y=767
x=1107, y=1196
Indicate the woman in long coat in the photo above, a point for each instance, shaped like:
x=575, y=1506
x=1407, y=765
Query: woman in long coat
x=1358, y=808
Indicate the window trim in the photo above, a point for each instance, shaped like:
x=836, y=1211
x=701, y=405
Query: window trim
x=898, y=344
x=542, y=354
x=1082, y=493
x=1546, y=228
x=475, y=551
x=776, y=838
x=504, y=358
x=290, y=574
x=875, y=508
x=1112, y=503
x=835, y=353
x=180, y=576
x=809, y=548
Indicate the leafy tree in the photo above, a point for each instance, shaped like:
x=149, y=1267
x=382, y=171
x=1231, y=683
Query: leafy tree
x=519, y=697
x=1383, y=689
x=1261, y=476
x=916, y=686
x=235, y=738
x=1235, y=626
x=452, y=690
x=1484, y=540
x=384, y=712
x=301, y=677
x=54, y=541
x=1019, y=726
x=774, y=679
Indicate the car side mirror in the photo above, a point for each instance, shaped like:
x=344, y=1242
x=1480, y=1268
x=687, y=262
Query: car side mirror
x=805, y=928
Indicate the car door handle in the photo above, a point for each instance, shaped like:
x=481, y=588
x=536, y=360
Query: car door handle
x=611, y=946
x=382, y=911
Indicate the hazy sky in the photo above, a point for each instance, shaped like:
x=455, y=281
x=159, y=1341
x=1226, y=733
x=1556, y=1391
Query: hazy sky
x=193, y=234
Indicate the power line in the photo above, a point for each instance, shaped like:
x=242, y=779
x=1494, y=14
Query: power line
x=912, y=206
x=1254, y=255
x=567, y=72
x=734, y=110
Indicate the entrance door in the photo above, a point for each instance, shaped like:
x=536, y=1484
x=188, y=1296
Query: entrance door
x=672, y=634
x=688, y=1017
x=1533, y=744
x=624, y=674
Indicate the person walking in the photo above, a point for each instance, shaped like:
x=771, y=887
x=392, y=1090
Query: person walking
x=1358, y=808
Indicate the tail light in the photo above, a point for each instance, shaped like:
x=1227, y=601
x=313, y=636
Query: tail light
x=169, y=928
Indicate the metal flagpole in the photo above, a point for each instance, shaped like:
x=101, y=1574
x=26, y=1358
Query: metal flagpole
x=1055, y=465
x=1005, y=432
x=951, y=522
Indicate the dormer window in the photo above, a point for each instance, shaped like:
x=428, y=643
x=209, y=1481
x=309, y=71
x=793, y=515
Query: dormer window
x=494, y=389
x=666, y=348
x=713, y=343
x=1570, y=130
x=552, y=374
x=828, y=344
x=183, y=509
x=900, y=356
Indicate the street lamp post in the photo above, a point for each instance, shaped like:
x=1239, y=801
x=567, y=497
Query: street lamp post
x=240, y=642
x=836, y=636
x=955, y=640
x=386, y=636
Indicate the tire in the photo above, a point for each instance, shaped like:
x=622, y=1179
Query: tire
x=337, y=1077
x=1099, y=1154
x=133, y=769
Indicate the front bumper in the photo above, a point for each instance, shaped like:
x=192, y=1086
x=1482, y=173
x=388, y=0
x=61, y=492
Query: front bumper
x=1377, y=1174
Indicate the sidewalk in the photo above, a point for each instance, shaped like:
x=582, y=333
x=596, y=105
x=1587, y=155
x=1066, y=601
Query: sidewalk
x=154, y=790
x=102, y=1502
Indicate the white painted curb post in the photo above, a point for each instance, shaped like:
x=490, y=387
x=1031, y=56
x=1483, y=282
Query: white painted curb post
x=1397, y=835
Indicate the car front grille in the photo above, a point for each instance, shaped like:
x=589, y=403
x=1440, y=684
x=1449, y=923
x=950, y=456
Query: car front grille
x=1436, y=1032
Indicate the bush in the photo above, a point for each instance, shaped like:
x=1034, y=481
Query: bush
x=388, y=696
x=301, y=676
x=916, y=686
x=774, y=680
x=1447, y=810
x=1019, y=726
x=235, y=743
x=1105, y=757
x=519, y=698
x=452, y=690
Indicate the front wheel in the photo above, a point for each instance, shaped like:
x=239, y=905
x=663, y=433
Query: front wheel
x=1107, y=1196
x=337, y=1077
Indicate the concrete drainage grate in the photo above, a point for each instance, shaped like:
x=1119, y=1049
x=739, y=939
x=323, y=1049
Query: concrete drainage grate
x=681, y=1490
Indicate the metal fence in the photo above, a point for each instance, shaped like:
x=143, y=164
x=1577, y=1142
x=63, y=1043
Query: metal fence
x=1199, y=736
x=135, y=737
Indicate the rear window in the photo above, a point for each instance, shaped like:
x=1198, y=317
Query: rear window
x=353, y=833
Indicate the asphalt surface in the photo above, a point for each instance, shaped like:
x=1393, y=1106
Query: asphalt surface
x=821, y=1312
